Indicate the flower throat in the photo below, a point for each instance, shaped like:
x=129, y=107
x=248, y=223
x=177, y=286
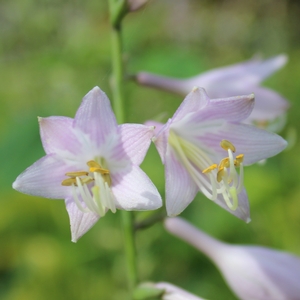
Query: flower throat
x=223, y=178
x=94, y=188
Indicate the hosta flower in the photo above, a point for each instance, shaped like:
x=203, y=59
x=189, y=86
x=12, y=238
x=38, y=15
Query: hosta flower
x=204, y=147
x=92, y=163
x=252, y=272
x=238, y=79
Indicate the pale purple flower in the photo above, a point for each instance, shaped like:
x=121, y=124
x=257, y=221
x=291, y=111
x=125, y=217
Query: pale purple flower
x=173, y=292
x=136, y=4
x=239, y=79
x=204, y=144
x=252, y=272
x=92, y=163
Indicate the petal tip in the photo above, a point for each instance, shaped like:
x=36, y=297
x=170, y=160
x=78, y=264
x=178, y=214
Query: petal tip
x=172, y=214
x=282, y=59
x=251, y=97
x=74, y=239
x=15, y=185
x=95, y=91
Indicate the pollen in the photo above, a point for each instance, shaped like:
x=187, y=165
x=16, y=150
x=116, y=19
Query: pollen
x=69, y=182
x=238, y=160
x=210, y=168
x=224, y=163
x=95, y=167
x=220, y=174
x=77, y=174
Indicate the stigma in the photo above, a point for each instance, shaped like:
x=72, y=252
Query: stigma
x=91, y=189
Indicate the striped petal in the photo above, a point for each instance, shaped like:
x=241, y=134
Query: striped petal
x=134, y=190
x=58, y=135
x=44, y=178
x=136, y=139
x=180, y=188
x=80, y=222
x=95, y=116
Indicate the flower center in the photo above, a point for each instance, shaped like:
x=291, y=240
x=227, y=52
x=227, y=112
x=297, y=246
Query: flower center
x=212, y=179
x=94, y=188
x=230, y=182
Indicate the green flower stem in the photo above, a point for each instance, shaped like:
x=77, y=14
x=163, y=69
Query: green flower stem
x=156, y=217
x=118, y=9
x=130, y=250
x=117, y=12
x=118, y=74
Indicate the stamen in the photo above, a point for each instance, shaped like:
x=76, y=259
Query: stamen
x=95, y=167
x=77, y=201
x=224, y=163
x=97, y=198
x=238, y=160
x=227, y=145
x=76, y=174
x=69, y=182
x=86, y=180
x=210, y=168
x=220, y=174
x=216, y=179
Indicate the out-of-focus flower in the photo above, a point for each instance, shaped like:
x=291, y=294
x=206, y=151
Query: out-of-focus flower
x=239, y=79
x=202, y=146
x=252, y=272
x=92, y=163
x=136, y=4
x=173, y=292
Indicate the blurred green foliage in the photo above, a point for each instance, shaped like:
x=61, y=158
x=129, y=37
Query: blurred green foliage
x=51, y=54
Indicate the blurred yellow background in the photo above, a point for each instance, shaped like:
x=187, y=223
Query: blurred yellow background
x=52, y=54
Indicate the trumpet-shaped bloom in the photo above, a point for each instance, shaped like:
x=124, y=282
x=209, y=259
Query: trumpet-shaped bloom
x=173, y=292
x=239, y=79
x=202, y=147
x=252, y=272
x=92, y=163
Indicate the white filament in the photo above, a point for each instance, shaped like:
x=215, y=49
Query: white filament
x=195, y=160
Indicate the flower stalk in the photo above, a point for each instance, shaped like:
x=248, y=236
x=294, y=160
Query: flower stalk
x=117, y=11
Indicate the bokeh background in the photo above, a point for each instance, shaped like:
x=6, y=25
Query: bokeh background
x=51, y=54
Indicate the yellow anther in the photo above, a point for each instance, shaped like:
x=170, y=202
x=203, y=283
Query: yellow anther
x=238, y=160
x=210, y=168
x=95, y=167
x=224, y=163
x=69, y=182
x=99, y=170
x=220, y=174
x=77, y=174
x=227, y=145
x=86, y=180
x=93, y=164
